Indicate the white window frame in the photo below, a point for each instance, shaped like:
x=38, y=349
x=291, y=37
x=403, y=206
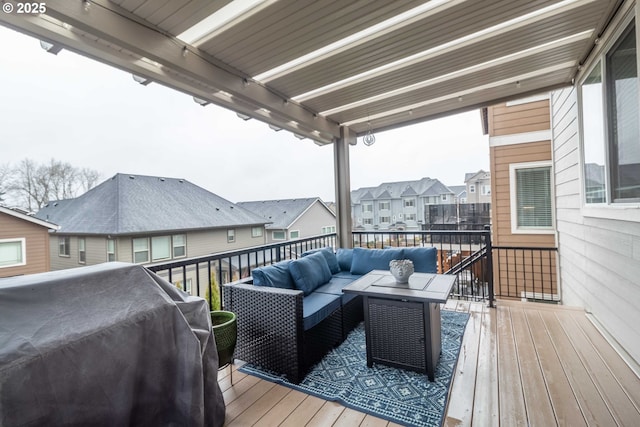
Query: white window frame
x=472, y=188
x=486, y=190
x=367, y=207
x=294, y=234
x=67, y=246
x=409, y=202
x=382, y=218
x=444, y=197
x=23, y=250
x=231, y=235
x=112, y=252
x=134, y=252
x=155, y=244
x=513, y=167
x=620, y=210
x=367, y=221
x=257, y=232
x=273, y=235
x=384, y=205
x=174, y=245
x=328, y=229
x=82, y=248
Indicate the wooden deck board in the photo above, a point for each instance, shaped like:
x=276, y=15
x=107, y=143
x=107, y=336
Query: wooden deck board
x=511, y=400
x=520, y=364
x=460, y=410
x=534, y=388
x=485, y=405
x=590, y=401
x=616, y=399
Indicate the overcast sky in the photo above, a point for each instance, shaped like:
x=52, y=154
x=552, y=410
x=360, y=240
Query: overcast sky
x=91, y=115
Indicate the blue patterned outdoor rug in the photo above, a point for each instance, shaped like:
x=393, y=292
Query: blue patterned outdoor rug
x=397, y=395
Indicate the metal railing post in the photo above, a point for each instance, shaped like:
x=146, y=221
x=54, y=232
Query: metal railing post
x=490, y=266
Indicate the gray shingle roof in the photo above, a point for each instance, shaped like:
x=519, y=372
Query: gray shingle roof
x=281, y=213
x=396, y=190
x=481, y=174
x=131, y=204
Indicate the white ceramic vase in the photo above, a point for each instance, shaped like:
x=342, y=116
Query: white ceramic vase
x=401, y=269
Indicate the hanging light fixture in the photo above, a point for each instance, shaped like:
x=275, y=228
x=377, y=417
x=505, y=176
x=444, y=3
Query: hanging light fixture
x=369, y=139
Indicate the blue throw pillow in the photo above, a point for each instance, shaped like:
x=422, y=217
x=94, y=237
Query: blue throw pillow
x=365, y=260
x=344, y=257
x=276, y=276
x=310, y=272
x=332, y=261
x=424, y=259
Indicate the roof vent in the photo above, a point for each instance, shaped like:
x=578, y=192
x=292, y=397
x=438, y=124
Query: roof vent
x=132, y=177
x=161, y=179
x=181, y=180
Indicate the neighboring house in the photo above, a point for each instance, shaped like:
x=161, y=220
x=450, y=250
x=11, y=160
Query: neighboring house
x=596, y=165
x=24, y=243
x=400, y=205
x=522, y=195
x=290, y=219
x=478, y=186
x=146, y=219
x=459, y=193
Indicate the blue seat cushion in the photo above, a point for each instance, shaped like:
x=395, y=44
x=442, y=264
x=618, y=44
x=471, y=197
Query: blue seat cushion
x=316, y=307
x=344, y=257
x=424, y=259
x=347, y=275
x=310, y=272
x=329, y=255
x=365, y=260
x=335, y=286
x=276, y=276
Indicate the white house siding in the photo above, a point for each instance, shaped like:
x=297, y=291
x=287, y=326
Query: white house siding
x=599, y=257
x=211, y=241
x=311, y=222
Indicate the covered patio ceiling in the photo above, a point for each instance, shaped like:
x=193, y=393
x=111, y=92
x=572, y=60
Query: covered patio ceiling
x=325, y=68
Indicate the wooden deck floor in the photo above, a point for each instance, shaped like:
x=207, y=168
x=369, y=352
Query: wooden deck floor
x=519, y=364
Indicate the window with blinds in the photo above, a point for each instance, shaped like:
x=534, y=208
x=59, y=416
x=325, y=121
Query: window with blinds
x=12, y=252
x=531, y=198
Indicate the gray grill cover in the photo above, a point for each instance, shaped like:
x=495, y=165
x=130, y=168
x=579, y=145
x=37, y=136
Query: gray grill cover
x=106, y=345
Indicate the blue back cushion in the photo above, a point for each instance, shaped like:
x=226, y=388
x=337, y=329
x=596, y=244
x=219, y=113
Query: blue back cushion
x=424, y=259
x=276, y=276
x=310, y=272
x=344, y=257
x=365, y=260
x=332, y=261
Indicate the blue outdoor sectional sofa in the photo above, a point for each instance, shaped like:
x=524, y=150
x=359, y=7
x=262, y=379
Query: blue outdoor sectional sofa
x=290, y=314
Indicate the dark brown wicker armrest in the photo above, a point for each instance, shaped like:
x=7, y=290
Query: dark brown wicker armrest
x=270, y=326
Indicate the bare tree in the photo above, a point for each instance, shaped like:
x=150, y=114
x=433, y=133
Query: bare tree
x=5, y=174
x=88, y=178
x=34, y=185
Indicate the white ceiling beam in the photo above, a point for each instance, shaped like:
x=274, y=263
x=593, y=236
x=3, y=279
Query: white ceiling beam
x=52, y=30
x=168, y=54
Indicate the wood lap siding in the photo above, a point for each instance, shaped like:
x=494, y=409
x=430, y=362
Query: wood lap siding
x=529, y=117
x=37, y=245
x=515, y=272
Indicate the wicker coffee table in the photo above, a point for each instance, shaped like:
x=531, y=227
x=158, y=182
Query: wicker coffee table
x=402, y=322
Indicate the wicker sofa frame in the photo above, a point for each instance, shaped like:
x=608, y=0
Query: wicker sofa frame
x=271, y=333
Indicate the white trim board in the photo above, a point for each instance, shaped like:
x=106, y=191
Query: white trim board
x=529, y=99
x=520, y=138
